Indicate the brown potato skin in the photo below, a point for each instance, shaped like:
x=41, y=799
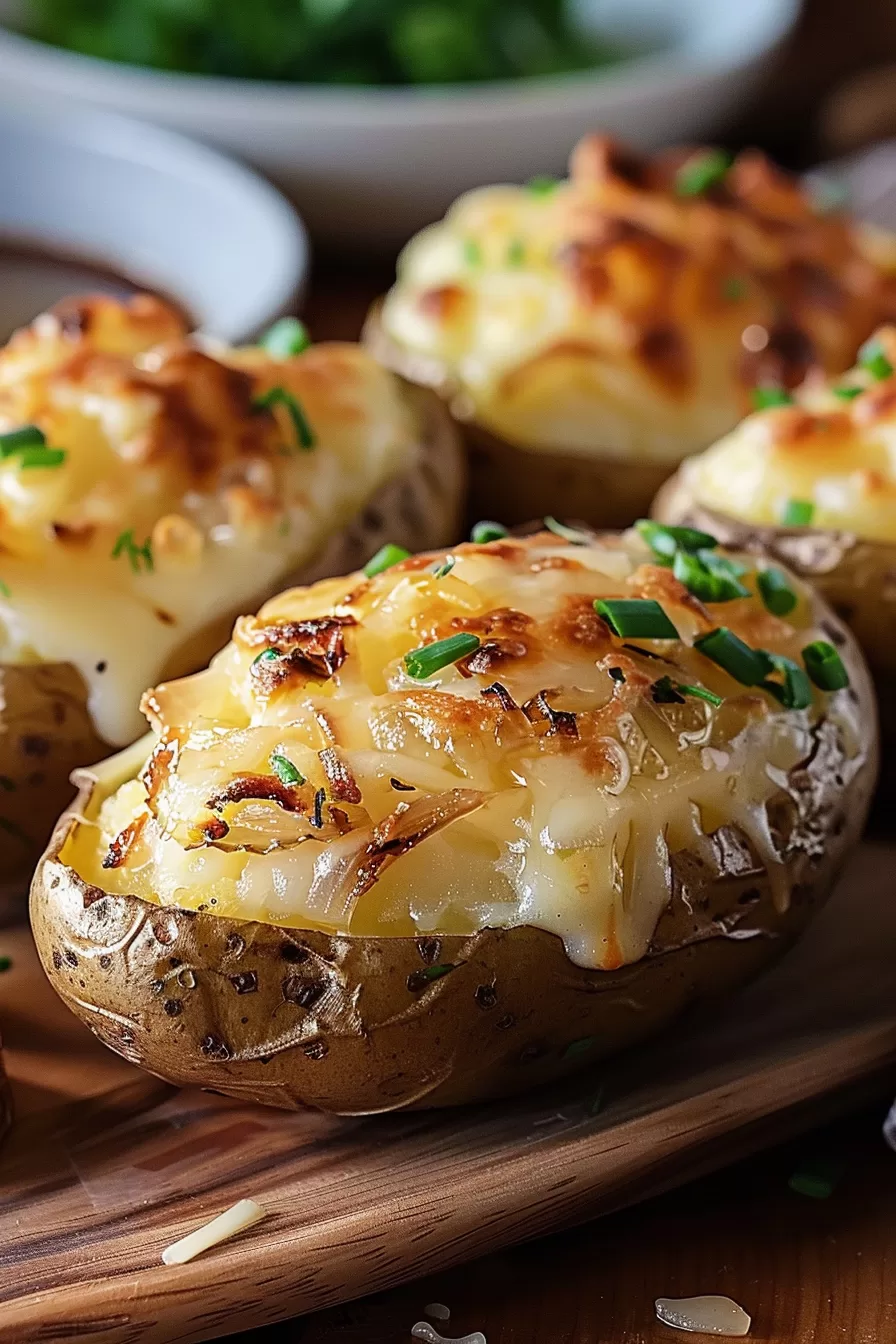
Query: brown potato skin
x=515, y=484
x=352, y=1025
x=45, y=727
x=856, y=577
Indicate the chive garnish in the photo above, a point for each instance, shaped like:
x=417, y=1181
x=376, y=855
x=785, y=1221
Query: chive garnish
x=721, y=564
x=4, y=589
x=873, y=358
x=472, y=252
x=746, y=665
x=665, y=691
x=817, y=1176
x=279, y=396
x=28, y=436
x=140, y=557
x=704, y=583
x=385, y=558
x=285, y=771
x=516, y=252
x=440, y=570
x=317, y=816
x=635, y=618
x=775, y=591
x=665, y=541
x=266, y=656
x=770, y=394
x=287, y=337
x=794, y=692
x=616, y=673
x=487, y=531
x=847, y=393
x=41, y=457
x=798, y=513
x=431, y=658
x=701, y=171
x=574, y=535
x=5, y=963
x=542, y=185
x=734, y=288
x=825, y=666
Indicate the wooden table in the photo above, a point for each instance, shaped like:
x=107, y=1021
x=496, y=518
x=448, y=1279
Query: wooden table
x=808, y=1271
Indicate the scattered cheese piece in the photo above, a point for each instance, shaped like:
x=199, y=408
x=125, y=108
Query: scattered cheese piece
x=226, y=1225
x=437, y=1310
x=703, y=1315
x=422, y=1330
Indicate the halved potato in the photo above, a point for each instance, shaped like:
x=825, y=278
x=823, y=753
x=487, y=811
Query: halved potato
x=827, y=456
x=358, y=868
x=591, y=333
x=151, y=487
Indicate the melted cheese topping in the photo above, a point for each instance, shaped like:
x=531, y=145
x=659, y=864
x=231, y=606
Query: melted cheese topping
x=306, y=779
x=838, y=455
x=165, y=440
x=615, y=316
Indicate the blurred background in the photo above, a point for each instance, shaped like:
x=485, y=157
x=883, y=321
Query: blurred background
x=372, y=115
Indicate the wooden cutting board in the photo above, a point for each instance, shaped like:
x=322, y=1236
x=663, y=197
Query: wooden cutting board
x=106, y=1166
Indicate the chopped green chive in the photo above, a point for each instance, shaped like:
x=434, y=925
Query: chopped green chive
x=385, y=558
x=287, y=337
x=487, y=531
x=825, y=666
x=775, y=591
x=847, y=393
x=516, y=252
x=41, y=457
x=617, y=673
x=873, y=358
x=285, y=771
x=769, y=395
x=665, y=541
x=635, y=618
x=266, y=656
x=431, y=658
x=705, y=584
x=795, y=691
x=542, y=185
x=575, y=535
x=665, y=691
x=798, y=513
x=279, y=396
x=734, y=288
x=439, y=571
x=4, y=589
x=702, y=171
x=472, y=252
x=418, y=980
x=5, y=963
x=576, y=1048
x=817, y=1177
x=722, y=646
x=721, y=564
x=139, y=556
x=28, y=436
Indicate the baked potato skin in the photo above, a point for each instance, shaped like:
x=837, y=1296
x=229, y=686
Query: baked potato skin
x=46, y=730
x=857, y=577
x=361, y=1025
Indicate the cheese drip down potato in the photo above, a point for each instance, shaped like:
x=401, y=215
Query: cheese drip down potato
x=812, y=480
x=441, y=833
x=591, y=333
x=151, y=487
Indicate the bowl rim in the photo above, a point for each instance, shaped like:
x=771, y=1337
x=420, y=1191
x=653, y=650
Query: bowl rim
x=114, y=136
x=671, y=65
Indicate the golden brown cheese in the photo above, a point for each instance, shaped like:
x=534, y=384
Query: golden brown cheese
x=307, y=779
x=833, y=450
x=614, y=315
x=177, y=494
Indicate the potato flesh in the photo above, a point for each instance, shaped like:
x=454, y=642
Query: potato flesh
x=573, y=835
x=163, y=441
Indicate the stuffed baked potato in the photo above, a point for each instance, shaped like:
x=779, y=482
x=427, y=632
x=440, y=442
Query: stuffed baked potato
x=589, y=334
x=811, y=480
x=151, y=487
x=461, y=826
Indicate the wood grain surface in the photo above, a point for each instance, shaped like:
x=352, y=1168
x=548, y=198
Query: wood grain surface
x=106, y=1166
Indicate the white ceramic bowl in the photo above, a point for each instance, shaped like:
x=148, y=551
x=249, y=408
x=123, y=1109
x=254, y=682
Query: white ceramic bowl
x=375, y=164
x=153, y=206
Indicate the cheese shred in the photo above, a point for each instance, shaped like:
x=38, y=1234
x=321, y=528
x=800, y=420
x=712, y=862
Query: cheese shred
x=228, y=1224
